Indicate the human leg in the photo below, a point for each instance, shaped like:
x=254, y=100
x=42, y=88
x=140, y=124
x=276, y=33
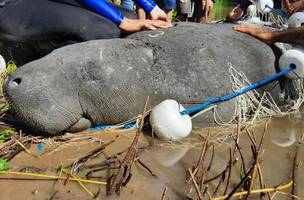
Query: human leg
x=168, y=7
x=36, y=27
x=128, y=4
x=183, y=8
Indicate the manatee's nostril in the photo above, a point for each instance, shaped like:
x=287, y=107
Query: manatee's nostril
x=16, y=82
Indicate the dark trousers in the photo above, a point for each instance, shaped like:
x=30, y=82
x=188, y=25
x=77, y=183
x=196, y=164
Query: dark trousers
x=36, y=27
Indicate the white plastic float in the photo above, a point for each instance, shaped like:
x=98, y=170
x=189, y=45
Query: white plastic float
x=264, y=6
x=295, y=57
x=2, y=64
x=167, y=122
x=296, y=20
x=252, y=10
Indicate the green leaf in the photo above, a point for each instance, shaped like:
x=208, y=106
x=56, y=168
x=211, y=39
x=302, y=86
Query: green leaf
x=4, y=137
x=5, y=107
x=7, y=131
x=63, y=169
x=5, y=134
x=11, y=67
x=4, y=165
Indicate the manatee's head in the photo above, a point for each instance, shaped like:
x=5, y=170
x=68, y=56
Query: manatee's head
x=43, y=98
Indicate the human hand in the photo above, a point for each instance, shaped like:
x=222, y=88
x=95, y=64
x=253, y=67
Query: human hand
x=158, y=13
x=134, y=25
x=294, y=6
x=262, y=34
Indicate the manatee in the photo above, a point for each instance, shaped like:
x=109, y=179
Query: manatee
x=107, y=81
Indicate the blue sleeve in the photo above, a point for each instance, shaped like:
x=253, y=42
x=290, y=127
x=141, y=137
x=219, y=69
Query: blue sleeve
x=105, y=9
x=147, y=5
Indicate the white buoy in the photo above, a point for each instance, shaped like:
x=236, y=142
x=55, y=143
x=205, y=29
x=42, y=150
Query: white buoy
x=264, y=6
x=252, y=10
x=2, y=65
x=167, y=122
x=296, y=20
x=293, y=57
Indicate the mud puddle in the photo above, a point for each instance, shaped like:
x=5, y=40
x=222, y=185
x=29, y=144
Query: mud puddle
x=168, y=162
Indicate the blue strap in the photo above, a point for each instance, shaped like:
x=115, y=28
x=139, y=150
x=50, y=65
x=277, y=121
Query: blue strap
x=235, y=94
x=214, y=100
x=103, y=127
x=105, y=9
x=147, y=5
x=100, y=127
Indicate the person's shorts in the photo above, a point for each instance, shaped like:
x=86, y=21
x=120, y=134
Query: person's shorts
x=166, y=4
x=128, y=4
x=184, y=7
x=243, y=4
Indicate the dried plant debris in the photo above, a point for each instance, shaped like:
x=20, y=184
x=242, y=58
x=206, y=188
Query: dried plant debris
x=124, y=173
x=114, y=171
x=202, y=185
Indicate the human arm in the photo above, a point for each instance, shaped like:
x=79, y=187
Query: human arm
x=107, y=10
x=134, y=25
x=293, y=36
x=151, y=9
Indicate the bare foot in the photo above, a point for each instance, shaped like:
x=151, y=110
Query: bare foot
x=264, y=35
x=235, y=14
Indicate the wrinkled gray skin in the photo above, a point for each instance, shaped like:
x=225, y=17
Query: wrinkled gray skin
x=107, y=81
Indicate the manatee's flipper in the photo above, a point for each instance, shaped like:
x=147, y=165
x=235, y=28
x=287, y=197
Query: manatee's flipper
x=112, y=108
x=81, y=125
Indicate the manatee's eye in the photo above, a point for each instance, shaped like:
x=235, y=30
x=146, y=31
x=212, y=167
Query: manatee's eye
x=17, y=81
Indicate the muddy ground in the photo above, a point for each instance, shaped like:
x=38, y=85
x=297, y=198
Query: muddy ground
x=168, y=162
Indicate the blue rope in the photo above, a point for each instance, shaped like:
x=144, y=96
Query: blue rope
x=103, y=127
x=100, y=127
x=214, y=100
x=235, y=94
x=279, y=12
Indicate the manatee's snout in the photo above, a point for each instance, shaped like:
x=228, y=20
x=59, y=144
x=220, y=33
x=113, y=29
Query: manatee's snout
x=41, y=101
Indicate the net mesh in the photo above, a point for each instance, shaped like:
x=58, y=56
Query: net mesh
x=271, y=19
x=254, y=105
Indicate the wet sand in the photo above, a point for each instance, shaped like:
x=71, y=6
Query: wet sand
x=169, y=161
